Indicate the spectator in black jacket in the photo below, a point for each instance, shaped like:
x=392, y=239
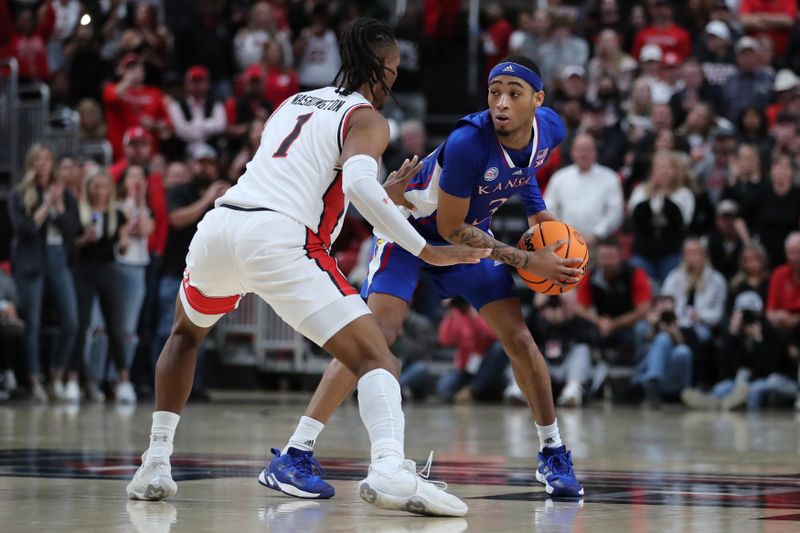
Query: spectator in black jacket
x=661, y=210
x=615, y=297
x=726, y=241
x=774, y=211
x=45, y=221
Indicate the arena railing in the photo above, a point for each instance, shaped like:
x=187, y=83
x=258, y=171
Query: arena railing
x=32, y=110
x=9, y=87
x=254, y=335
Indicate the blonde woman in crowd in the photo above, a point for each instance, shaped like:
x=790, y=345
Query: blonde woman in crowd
x=132, y=260
x=661, y=210
x=105, y=232
x=44, y=217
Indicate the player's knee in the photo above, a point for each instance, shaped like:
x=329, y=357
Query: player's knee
x=186, y=335
x=378, y=357
x=520, y=345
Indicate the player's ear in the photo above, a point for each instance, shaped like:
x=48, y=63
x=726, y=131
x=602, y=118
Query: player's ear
x=538, y=98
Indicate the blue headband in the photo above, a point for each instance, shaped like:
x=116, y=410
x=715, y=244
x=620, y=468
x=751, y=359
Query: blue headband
x=518, y=71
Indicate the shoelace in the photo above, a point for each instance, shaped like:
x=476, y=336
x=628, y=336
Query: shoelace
x=560, y=464
x=308, y=465
x=426, y=472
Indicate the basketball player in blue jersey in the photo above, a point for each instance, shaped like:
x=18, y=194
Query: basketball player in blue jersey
x=488, y=157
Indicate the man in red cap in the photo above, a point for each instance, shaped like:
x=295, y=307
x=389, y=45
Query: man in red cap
x=138, y=150
x=198, y=117
x=249, y=104
x=130, y=103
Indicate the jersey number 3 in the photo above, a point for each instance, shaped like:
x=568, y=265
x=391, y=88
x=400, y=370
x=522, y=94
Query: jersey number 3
x=283, y=149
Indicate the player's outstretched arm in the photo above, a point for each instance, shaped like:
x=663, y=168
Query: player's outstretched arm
x=450, y=217
x=365, y=140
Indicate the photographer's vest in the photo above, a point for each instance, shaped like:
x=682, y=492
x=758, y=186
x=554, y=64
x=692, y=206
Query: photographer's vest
x=615, y=298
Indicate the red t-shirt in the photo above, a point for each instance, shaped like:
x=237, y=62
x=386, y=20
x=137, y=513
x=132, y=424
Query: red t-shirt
x=278, y=86
x=784, y=290
x=640, y=293
x=125, y=110
x=499, y=32
x=30, y=51
x=673, y=38
x=156, y=201
x=787, y=7
x=469, y=333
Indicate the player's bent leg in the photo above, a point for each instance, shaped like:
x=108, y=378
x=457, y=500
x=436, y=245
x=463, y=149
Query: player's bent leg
x=294, y=471
x=554, y=461
x=174, y=374
x=392, y=482
x=529, y=367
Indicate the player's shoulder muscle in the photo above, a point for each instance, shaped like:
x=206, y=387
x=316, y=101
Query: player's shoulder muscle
x=465, y=142
x=367, y=132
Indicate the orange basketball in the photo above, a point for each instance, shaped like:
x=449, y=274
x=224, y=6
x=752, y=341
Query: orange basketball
x=546, y=233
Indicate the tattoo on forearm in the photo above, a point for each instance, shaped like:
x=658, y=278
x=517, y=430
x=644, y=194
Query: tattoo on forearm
x=476, y=238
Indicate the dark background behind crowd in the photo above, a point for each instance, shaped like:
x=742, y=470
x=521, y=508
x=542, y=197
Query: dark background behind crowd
x=680, y=168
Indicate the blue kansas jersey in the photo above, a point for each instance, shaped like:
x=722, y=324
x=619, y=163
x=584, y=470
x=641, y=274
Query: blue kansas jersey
x=473, y=164
x=470, y=164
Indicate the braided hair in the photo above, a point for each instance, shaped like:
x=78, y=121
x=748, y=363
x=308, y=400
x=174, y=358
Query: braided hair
x=363, y=46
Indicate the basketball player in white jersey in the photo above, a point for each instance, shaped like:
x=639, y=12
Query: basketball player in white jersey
x=270, y=234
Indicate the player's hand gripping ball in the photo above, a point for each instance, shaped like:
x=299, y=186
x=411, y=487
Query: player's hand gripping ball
x=546, y=233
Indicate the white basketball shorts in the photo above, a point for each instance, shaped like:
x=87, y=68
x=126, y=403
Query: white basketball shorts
x=277, y=258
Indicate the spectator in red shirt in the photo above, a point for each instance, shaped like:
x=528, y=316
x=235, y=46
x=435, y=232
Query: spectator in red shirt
x=465, y=330
x=783, y=301
x=773, y=18
x=280, y=82
x=138, y=148
x=495, y=40
x=130, y=103
x=615, y=297
x=664, y=32
x=26, y=41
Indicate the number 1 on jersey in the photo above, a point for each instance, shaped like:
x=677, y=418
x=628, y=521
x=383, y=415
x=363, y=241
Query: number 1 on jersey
x=283, y=149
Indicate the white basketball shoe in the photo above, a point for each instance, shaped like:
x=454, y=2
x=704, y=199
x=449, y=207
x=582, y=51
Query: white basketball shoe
x=403, y=489
x=152, y=481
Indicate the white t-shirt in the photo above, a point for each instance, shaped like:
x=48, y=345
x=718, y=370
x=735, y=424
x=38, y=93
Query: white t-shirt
x=320, y=61
x=592, y=202
x=136, y=254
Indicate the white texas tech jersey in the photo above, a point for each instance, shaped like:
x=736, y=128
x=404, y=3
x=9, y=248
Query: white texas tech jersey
x=297, y=169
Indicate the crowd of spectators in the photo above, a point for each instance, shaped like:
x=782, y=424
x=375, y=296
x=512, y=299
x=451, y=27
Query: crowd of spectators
x=680, y=168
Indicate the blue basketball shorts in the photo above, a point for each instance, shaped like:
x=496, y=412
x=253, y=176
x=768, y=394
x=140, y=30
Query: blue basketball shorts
x=393, y=270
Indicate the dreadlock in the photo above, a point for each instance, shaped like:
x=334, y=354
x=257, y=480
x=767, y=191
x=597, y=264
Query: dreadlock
x=362, y=47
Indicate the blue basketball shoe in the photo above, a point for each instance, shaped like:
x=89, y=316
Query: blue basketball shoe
x=296, y=473
x=555, y=471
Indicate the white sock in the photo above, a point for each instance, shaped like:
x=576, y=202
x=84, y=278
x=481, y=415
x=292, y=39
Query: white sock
x=305, y=436
x=162, y=434
x=549, y=436
x=380, y=407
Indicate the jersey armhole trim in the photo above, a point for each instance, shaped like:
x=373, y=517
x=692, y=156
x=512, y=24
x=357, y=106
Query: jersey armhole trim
x=343, y=123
